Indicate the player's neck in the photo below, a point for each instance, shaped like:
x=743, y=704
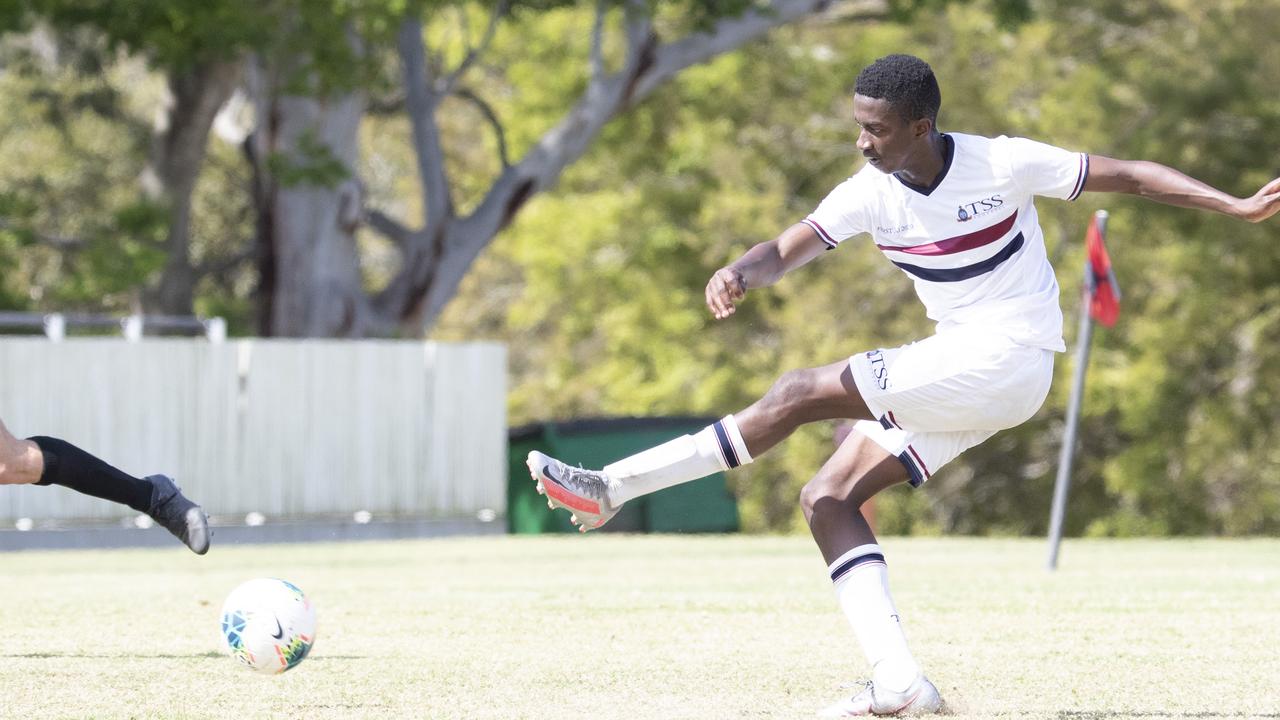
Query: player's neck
x=927, y=163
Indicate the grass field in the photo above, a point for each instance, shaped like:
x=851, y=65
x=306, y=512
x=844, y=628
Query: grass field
x=646, y=628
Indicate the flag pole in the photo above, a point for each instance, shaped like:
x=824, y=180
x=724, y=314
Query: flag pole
x=1084, y=339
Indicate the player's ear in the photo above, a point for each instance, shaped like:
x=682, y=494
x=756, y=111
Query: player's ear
x=921, y=127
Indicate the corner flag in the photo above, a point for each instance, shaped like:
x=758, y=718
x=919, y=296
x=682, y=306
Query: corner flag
x=1104, y=292
x=1100, y=301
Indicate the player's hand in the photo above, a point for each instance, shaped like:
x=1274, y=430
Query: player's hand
x=1264, y=203
x=725, y=288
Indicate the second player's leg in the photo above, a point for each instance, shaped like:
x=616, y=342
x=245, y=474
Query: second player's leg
x=833, y=499
x=832, y=503
x=52, y=461
x=799, y=397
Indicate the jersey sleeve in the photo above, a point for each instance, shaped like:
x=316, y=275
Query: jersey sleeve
x=1047, y=170
x=842, y=213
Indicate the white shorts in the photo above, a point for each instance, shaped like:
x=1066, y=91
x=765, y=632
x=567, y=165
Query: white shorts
x=942, y=395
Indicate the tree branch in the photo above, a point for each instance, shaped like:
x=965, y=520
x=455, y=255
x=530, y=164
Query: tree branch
x=727, y=34
x=489, y=114
x=421, y=104
x=390, y=104
x=476, y=51
x=649, y=64
x=388, y=227
x=597, y=43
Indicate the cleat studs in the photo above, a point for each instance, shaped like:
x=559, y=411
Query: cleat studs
x=551, y=505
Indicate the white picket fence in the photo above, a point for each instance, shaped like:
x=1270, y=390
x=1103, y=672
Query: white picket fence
x=287, y=428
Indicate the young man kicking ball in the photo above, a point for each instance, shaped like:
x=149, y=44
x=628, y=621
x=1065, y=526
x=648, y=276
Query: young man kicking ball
x=955, y=213
x=50, y=461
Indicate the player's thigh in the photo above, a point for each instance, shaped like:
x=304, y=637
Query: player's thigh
x=821, y=393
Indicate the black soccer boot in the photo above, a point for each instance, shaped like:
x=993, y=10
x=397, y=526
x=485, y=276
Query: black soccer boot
x=185, y=519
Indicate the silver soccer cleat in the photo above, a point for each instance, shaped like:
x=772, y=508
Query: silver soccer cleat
x=921, y=698
x=584, y=493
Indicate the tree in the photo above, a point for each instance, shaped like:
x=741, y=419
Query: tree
x=310, y=250
x=200, y=47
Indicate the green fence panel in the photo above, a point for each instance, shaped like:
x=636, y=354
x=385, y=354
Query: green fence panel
x=704, y=505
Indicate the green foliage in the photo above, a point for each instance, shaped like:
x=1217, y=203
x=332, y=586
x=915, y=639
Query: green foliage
x=177, y=33
x=598, y=288
x=77, y=231
x=311, y=163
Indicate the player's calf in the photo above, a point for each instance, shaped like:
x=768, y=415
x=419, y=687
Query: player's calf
x=67, y=465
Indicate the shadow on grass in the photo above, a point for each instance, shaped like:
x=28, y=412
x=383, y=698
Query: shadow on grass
x=1109, y=714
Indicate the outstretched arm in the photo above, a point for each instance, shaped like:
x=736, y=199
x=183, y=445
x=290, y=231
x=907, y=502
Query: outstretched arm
x=1166, y=185
x=761, y=266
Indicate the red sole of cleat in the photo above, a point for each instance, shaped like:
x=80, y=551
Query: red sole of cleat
x=567, y=498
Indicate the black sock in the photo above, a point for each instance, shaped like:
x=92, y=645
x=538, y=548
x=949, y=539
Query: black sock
x=69, y=466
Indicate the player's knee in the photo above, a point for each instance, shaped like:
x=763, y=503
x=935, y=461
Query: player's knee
x=17, y=465
x=822, y=490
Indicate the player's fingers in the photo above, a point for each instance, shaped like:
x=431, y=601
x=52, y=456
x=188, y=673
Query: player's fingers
x=714, y=300
x=719, y=298
x=713, y=295
x=730, y=284
x=729, y=293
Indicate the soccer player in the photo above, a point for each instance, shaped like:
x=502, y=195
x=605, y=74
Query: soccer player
x=954, y=212
x=50, y=461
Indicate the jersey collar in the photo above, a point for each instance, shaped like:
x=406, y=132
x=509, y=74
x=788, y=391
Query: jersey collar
x=948, y=152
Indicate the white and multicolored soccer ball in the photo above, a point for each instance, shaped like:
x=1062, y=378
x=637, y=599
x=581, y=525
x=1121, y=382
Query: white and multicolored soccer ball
x=268, y=624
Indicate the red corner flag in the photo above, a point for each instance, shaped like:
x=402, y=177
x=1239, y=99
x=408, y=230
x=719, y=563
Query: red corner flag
x=1104, y=292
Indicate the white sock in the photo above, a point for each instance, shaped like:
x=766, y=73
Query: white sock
x=717, y=447
x=861, y=578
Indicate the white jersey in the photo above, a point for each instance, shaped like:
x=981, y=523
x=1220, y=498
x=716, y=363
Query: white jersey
x=971, y=243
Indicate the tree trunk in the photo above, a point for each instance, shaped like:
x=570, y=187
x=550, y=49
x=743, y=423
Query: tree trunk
x=308, y=214
x=175, y=165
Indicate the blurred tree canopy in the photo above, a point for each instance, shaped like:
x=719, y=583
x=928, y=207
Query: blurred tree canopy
x=598, y=288
x=597, y=284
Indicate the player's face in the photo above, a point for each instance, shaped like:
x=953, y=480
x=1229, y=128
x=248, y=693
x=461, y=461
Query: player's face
x=887, y=140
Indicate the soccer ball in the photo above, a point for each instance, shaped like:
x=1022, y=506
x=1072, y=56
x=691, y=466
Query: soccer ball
x=268, y=624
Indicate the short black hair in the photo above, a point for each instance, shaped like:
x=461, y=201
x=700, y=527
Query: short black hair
x=906, y=82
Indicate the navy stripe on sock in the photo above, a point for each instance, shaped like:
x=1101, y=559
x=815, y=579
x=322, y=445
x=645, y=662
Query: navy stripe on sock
x=848, y=565
x=726, y=447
